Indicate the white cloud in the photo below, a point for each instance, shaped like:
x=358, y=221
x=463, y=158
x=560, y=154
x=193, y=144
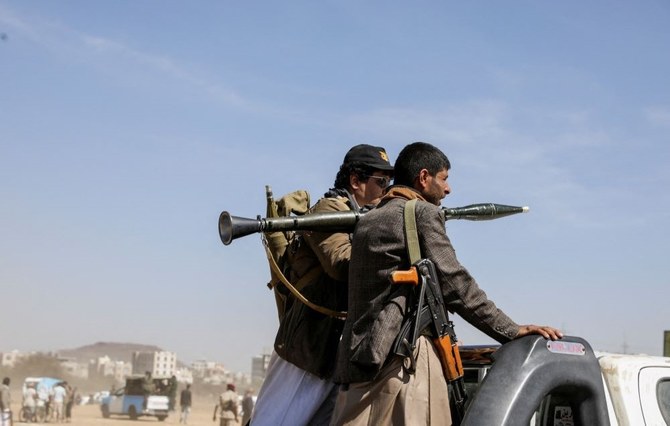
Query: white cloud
x=166, y=66
x=125, y=61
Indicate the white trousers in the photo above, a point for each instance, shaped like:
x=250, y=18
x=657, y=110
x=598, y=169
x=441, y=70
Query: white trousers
x=5, y=418
x=293, y=397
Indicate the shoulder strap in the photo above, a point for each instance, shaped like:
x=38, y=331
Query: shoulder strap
x=275, y=244
x=413, y=249
x=275, y=268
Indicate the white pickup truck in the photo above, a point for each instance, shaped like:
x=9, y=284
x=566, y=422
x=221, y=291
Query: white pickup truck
x=532, y=381
x=638, y=388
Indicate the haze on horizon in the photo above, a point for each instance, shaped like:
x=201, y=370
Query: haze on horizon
x=127, y=127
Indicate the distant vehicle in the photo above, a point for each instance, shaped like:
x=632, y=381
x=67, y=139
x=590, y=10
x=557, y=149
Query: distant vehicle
x=41, y=382
x=131, y=401
x=43, y=386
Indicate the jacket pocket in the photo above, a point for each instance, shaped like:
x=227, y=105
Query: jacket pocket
x=372, y=351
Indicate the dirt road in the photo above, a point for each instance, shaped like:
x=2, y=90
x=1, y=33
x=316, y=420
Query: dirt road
x=89, y=415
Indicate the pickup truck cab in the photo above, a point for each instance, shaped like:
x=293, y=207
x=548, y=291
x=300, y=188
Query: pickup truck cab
x=638, y=388
x=131, y=401
x=563, y=383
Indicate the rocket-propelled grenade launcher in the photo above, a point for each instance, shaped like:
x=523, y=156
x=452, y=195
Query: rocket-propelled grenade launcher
x=232, y=227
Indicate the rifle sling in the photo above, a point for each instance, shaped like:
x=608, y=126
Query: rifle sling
x=411, y=234
x=405, y=342
x=277, y=271
x=419, y=319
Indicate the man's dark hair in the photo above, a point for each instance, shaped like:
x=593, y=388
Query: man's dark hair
x=5, y=381
x=417, y=156
x=362, y=171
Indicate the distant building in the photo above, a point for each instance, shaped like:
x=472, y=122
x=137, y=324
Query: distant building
x=199, y=367
x=74, y=368
x=104, y=366
x=203, y=369
x=9, y=359
x=160, y=364
x=259, y=367
x=184, y=375
x=242, y=379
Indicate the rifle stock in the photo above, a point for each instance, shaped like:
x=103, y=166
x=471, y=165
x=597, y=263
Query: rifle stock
x=448, y=350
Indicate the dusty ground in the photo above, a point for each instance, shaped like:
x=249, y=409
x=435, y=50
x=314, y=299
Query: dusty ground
x=89, y=415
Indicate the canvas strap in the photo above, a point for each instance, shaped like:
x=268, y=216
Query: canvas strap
x=277, y=271
x=411, y=234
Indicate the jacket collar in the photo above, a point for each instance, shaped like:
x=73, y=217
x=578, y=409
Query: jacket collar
x=344, y=193
x=400, y=191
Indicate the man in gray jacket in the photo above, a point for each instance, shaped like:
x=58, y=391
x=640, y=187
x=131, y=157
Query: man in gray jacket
x=377, y=386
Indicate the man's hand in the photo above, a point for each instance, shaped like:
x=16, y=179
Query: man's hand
x=544, y=330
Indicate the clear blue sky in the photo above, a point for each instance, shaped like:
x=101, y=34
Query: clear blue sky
x=126, y=127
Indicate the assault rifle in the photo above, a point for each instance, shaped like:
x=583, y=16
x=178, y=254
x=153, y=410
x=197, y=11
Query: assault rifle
x=232, y=227
x=429, y=313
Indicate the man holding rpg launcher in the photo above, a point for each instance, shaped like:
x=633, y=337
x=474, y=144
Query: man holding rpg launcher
x=298, y=389
x=381, y=383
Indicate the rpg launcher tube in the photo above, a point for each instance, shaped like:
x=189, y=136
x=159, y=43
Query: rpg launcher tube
x=233, y=227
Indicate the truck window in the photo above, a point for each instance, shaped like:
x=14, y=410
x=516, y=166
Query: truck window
x=134, y=387
x=663, y=395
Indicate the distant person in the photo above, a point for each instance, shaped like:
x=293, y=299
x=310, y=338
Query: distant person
x=247, y=406
x=5, y=403
x=70, y=397
x=30, y=401
x=58, y=401
x=227, y=406
x=148, y=387
x=172, y=392
x=43, y=397
x=162, y=388
x=185, y=401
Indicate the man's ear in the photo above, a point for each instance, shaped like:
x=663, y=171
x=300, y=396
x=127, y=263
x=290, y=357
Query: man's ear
x=354, y=181
x=421, y=180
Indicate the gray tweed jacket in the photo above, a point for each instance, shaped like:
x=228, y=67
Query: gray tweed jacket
x=376, y=308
